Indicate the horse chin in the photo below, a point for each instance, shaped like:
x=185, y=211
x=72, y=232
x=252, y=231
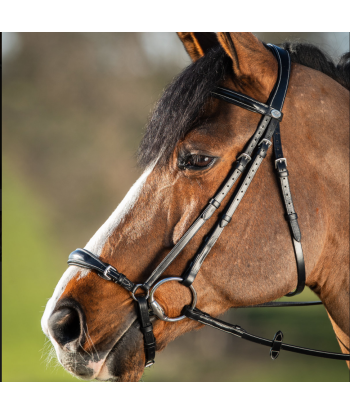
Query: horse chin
x=125, y=361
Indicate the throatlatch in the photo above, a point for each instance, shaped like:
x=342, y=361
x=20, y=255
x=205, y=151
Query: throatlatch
x=252, y=156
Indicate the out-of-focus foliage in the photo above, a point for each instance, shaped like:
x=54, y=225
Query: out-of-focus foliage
x=74, y=110
x=30, y=267
x=75, y=106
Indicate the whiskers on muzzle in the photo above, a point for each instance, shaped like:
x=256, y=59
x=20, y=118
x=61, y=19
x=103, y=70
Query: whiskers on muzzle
x=76, y=362
x=49, y=356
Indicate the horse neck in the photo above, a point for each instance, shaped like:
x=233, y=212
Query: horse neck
x=320, y=137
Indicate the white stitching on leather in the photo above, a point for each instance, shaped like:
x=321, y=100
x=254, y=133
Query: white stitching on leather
x=280, y=75
x=243, y=96
x=285, y=91
x=241, y=104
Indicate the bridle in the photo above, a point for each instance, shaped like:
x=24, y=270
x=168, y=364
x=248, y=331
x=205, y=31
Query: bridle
x=246, y=165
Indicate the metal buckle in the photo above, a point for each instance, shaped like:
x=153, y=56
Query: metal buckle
x=279, y=161
x=150, y=364
x=135, y=289
x=106, y=272
x=158, y=310
x=247, y=156
x=266, y=141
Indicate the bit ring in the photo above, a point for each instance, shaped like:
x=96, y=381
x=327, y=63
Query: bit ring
x=158, y=310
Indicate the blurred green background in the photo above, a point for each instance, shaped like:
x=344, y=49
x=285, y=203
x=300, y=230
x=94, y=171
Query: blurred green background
x=74, y=110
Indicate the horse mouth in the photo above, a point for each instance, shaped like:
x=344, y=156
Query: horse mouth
x=103, y=366
x=124, y=361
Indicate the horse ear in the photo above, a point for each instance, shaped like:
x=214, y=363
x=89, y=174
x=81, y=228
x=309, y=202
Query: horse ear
x=252, y=62
x=198, y=43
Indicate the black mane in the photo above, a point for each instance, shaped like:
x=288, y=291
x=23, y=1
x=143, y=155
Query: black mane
x=311, y=56
x=180, y=107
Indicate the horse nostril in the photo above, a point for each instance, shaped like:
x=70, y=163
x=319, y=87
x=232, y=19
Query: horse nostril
x=64, y=326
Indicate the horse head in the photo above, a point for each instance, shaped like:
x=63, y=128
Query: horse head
x=187, y=152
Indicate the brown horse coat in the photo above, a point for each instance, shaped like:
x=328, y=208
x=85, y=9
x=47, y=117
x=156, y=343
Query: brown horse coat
x=253, y=260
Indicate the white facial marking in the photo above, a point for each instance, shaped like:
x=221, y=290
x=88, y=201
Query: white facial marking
x=96, y=243
x=95, y=366
x=104, y=374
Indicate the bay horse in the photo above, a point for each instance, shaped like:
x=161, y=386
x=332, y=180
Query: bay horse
x=188, y=149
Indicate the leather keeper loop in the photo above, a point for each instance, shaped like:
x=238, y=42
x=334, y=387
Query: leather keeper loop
x=240, y=167
x=208, y=212
x=215, y=203
x=263, y=150
x=283, y=173
x=150, y=346
x=242, y=162
x=225, y=221
x=187, y=277
x=227, y=218
x=292, y=216
x=147, y=329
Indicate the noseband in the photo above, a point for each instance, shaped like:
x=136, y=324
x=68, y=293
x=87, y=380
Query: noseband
x=246, y=165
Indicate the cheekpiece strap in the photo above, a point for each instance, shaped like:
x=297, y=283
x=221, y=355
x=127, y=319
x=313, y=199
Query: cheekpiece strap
x=147, y=330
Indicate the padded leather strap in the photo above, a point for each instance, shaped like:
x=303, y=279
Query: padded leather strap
x=86, y=259
x=204, y=318
x=147, y=330
x=281, y=86
x=243, y=101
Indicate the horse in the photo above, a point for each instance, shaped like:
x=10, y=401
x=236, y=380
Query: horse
x=188, y=149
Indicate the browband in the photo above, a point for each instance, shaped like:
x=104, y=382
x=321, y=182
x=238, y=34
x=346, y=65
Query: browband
x=243, y=101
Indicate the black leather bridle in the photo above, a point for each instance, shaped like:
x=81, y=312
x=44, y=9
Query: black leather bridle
x=246, y=165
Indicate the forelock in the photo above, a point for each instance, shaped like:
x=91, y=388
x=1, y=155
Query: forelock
x=181, y=105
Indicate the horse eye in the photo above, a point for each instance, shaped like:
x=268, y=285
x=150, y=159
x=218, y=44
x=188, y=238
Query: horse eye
x=196, y=161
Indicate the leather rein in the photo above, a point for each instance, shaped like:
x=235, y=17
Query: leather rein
x=246, y=165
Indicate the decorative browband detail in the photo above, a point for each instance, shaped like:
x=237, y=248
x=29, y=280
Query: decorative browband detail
x=246, y=102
